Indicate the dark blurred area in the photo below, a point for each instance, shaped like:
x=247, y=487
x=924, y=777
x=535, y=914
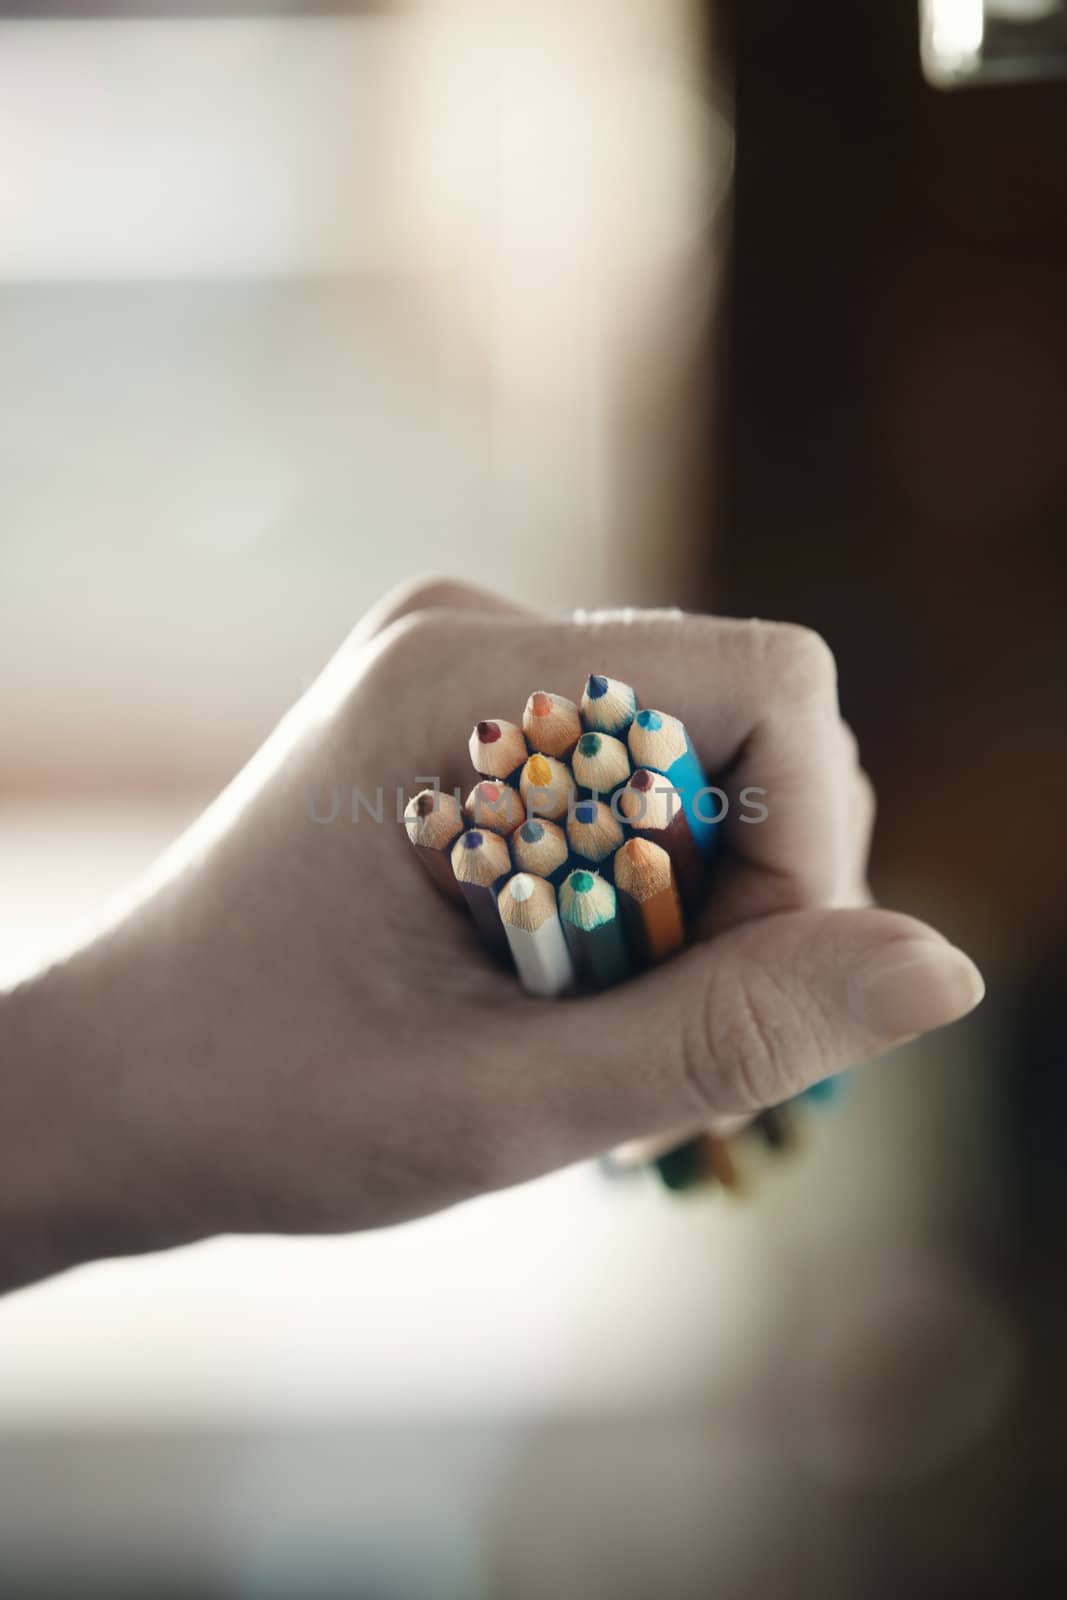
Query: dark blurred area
x=893, y=472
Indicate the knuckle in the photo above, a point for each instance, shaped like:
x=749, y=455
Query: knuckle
x=800, y=660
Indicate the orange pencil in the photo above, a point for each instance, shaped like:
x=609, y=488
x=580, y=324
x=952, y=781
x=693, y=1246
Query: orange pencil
x=648, y=900
x=434, y=821
x=551, y=724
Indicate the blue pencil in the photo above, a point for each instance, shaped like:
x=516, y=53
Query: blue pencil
x=608, y=706
x=660, y=743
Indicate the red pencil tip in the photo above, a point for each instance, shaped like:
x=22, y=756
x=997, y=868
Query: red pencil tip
x=488, y=732
x=424, y=805
x=642, y=781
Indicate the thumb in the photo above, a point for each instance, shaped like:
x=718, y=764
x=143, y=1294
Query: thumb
x=759, y=1013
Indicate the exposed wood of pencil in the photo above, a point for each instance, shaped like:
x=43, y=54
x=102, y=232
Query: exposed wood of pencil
x=648, y=900
x=551, y=724
x=481, y=863
x=600, y=762
x=608, y=706
x=657, y=740
x=494, y=805
x=594, y=834
x=547, y=787
x=433, y=821
x=540, y=847
x=527, y=908
x=497, y=748
x=653, y=811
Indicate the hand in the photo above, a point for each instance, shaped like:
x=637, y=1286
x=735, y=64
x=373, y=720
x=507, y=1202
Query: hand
x=294, y=1032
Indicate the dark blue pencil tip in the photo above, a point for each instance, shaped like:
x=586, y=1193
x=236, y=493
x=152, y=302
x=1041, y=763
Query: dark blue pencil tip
x=597, y=687
x=473, y=840
x=532, y=832
x=586, y=812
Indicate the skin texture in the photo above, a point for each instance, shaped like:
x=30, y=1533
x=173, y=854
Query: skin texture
x=292, y=1031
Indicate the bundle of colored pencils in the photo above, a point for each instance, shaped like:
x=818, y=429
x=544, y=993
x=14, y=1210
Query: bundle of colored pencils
x=582, y=853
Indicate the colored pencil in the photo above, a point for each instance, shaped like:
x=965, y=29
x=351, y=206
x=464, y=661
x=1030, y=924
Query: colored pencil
x=652, y=810
x=594, y=834
x=659, y=743
x=551, y=724
x=608, y=706
x=498, y=749
x=600, y=763
x=527, y=908
x=539, y=847
x=481, y=863
x=494, y=805
x=593, y=931
x=700, y=1161
x=433, y=821
x=546, y=786
x=648, y=900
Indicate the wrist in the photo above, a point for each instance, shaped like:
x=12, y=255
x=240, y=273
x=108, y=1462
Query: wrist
x=73, y=1160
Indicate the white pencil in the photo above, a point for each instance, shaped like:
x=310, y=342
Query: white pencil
x=527, y=907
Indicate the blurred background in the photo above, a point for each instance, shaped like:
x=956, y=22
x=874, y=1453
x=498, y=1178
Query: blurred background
x=750, y=306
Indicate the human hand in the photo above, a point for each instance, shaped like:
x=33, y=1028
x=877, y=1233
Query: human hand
x=294, y=1032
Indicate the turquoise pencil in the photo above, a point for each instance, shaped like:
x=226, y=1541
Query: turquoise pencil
x=659, y=743
x=591, y=926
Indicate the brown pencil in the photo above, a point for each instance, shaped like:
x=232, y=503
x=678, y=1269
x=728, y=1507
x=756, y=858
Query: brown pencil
x=481, y=863
x=652, y=810
x=551, y=724
x=434, y=820
x=497, y=750
x=648, y=900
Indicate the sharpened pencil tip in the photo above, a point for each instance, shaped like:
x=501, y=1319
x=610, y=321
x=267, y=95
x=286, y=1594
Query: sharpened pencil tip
x=424, y=805
x=589, y=745
x=473, y=840
x=539, y=772
x=521, y=887
x=597, y=687
x=582, y=882
x=586, y=812
x=650, y=720
x=532, y=832
x=488, y=732
x=541, y=704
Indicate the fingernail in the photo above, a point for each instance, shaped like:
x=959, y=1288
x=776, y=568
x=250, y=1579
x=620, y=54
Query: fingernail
x=913, y=986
